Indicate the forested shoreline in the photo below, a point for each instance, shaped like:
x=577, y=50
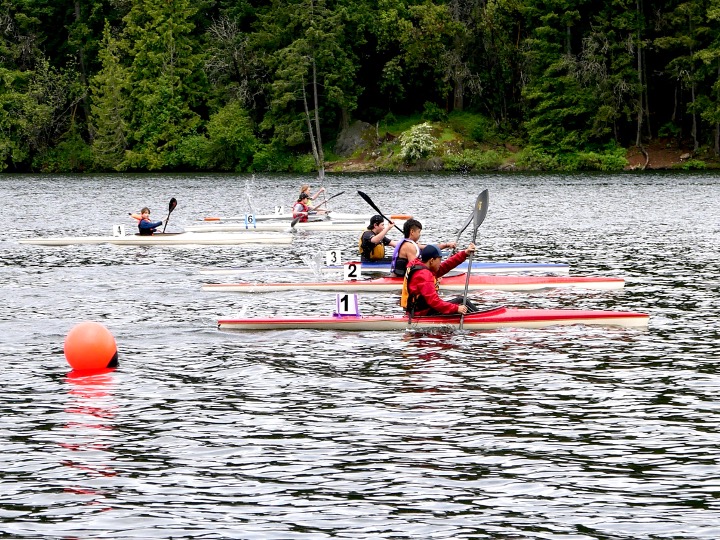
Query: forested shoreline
x=231, y=85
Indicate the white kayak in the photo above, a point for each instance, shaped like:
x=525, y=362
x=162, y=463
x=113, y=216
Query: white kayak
x=447, y=283
x=167, y=239
x=342, y=226
x=287, y=216
x=478, y=267
x=501, y=317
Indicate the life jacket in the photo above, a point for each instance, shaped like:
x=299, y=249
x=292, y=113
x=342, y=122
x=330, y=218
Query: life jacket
x=301, y=213
x=415, y=302
x=374, y=254
x=400, y=264
x=145, y=231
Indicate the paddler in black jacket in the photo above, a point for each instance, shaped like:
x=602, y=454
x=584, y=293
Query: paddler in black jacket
x=373, y=241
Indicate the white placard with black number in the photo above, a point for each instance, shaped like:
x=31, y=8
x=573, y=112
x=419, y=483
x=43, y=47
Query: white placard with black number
x=333, y=257
x=347, y=305
x=118, y=230
x=250, y=221
x=352, y=270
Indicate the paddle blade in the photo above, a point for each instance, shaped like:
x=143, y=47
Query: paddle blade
x=481, y=208
x=171, y=207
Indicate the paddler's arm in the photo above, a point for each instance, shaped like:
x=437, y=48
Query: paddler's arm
x=455, y=260
x=379, y=236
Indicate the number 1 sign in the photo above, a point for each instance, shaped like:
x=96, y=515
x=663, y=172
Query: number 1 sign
x=346, y=305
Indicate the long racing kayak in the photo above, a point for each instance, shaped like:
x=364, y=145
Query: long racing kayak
x=380, y=267
x=332, y=215
x=167, y=239
x=342, y=226
x=501, y=317
x=447, y=283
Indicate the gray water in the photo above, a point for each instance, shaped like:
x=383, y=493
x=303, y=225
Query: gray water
x=560, y=433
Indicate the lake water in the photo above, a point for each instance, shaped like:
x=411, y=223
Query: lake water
x=561, y=433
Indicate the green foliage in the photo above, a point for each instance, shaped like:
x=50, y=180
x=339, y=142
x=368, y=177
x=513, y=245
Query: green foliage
x=303, y=164
x=417, y=142
x=692, y=165
x=433, y=113
x=109, y=106
x=670, y=129
x=166, y=80
x=611, y=158
x=231, y=135
x=272, y=157
x=472, y=160
x=72, y=154
x=472, y=125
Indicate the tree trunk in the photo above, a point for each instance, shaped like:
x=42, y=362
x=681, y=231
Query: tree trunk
x=320, y=158
x=458, y=95
x=83, y=77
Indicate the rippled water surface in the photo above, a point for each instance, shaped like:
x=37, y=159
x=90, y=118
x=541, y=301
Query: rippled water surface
x=561, y=433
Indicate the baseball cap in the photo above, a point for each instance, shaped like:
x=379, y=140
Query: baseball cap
x=430, y=252
x=376, y=219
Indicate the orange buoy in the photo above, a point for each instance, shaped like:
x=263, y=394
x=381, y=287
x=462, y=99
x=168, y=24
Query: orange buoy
x=90, y=346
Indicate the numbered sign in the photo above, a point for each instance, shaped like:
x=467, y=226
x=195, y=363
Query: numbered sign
x=346, y=305
x=332, y=257
x=279, y=210
x=118, y=230
x=250, y=221
x=352, y=270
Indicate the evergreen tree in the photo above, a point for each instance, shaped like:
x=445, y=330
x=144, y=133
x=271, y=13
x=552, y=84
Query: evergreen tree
x=110, y=107
x=166, y=78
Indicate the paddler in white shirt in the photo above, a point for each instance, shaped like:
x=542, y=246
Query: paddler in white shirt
x=409, y=247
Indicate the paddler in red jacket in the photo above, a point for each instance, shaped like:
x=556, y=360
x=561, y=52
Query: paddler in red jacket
x=420, y=288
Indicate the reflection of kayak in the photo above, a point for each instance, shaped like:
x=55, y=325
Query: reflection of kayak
x=342, y=226
x=333, y=216
x=496, y=318
x=477, y=268
x=447, y=283
x=167, y=239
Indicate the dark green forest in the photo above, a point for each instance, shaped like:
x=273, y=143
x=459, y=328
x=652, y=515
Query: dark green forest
x=243, y=85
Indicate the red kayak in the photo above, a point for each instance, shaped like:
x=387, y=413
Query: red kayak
x=501, y=317
x=447, y=283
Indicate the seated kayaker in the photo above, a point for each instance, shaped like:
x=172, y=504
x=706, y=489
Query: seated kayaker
x=372, y=242
x=301, y=209
x=145, y=226
x=420, y=288
x=305, y=189
x=409, y=248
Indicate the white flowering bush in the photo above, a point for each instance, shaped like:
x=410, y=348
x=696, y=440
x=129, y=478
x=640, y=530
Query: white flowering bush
x=417, y=142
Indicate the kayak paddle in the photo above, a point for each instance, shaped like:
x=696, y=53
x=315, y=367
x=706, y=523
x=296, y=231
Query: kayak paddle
x=479, y=213
x=171, y=207
x=457, y=240
x=371, y=203
x=295, y=221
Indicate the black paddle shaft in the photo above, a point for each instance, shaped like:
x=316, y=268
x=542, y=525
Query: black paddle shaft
x=374, y=206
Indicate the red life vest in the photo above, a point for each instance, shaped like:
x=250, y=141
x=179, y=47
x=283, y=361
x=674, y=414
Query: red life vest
x=302, y=212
